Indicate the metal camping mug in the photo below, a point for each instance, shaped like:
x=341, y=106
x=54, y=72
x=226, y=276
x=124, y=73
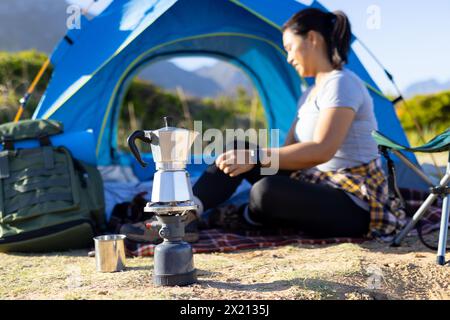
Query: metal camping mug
x=110, y=253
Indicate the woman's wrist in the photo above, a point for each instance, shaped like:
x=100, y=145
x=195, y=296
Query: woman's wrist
x=262, y=157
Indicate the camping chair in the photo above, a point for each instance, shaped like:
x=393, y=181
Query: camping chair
x=439, y=143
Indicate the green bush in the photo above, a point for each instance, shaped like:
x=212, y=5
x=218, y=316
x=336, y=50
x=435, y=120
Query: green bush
x=17, y=71
x=432, y=112
x=150, y=104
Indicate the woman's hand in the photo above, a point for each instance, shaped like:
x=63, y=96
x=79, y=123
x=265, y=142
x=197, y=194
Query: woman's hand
x=235, y=162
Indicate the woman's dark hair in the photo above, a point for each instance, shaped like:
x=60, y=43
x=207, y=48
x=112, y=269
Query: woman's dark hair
x=333, y=26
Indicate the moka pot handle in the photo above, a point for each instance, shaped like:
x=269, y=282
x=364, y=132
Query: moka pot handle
x=139, y=134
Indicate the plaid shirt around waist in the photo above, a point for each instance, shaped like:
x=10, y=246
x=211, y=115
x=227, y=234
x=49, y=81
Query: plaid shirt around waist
x=368, y=183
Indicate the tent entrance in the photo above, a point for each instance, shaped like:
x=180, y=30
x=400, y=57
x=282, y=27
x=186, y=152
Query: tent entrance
x=265, y=71
x=140, y=104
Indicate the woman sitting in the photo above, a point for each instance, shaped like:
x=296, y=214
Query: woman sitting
x=330, y=182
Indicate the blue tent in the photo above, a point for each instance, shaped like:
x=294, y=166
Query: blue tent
x=93, y=66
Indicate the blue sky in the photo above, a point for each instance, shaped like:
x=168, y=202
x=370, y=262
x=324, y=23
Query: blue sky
x=412, y=41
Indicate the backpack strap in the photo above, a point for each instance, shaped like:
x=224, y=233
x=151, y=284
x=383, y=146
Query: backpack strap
x=16, y=176
x=44, y=140
x=32, y=199
x=49, y=158
x=4, y=164
x=12, y=190
x=82, y=173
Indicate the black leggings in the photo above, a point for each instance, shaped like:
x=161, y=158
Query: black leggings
x=279, y=200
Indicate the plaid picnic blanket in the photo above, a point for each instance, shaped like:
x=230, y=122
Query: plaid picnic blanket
x=432, y=219
x=216, y=240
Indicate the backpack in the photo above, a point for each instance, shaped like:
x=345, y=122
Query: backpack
x=49, y=201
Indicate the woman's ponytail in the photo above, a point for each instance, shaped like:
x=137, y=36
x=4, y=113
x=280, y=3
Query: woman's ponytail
x=340, y=39
x=334, y=27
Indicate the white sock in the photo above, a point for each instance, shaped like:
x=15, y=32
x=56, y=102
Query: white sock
x=248, y=219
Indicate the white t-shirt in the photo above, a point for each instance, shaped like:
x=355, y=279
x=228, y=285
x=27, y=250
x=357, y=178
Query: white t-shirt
x=341, y=88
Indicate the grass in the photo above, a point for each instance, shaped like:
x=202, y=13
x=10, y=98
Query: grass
x=341, y=271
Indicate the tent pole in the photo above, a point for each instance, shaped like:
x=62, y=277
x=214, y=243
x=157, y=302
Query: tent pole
x=44, y=67
x=419, y=128
x=30, y=90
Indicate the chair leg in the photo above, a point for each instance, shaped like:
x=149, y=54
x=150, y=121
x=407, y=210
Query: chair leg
x=421, y=211
x=443, y=233
x=417, y=216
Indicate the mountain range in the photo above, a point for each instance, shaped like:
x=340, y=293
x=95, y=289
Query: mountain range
x=426, y=87
x=40, y=24
x=220, y=78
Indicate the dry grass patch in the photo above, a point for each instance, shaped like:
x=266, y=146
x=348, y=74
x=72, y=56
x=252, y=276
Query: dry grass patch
x=345, y=271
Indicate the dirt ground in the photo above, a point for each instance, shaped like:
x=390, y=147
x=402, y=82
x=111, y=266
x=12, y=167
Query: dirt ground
x=370, y=270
